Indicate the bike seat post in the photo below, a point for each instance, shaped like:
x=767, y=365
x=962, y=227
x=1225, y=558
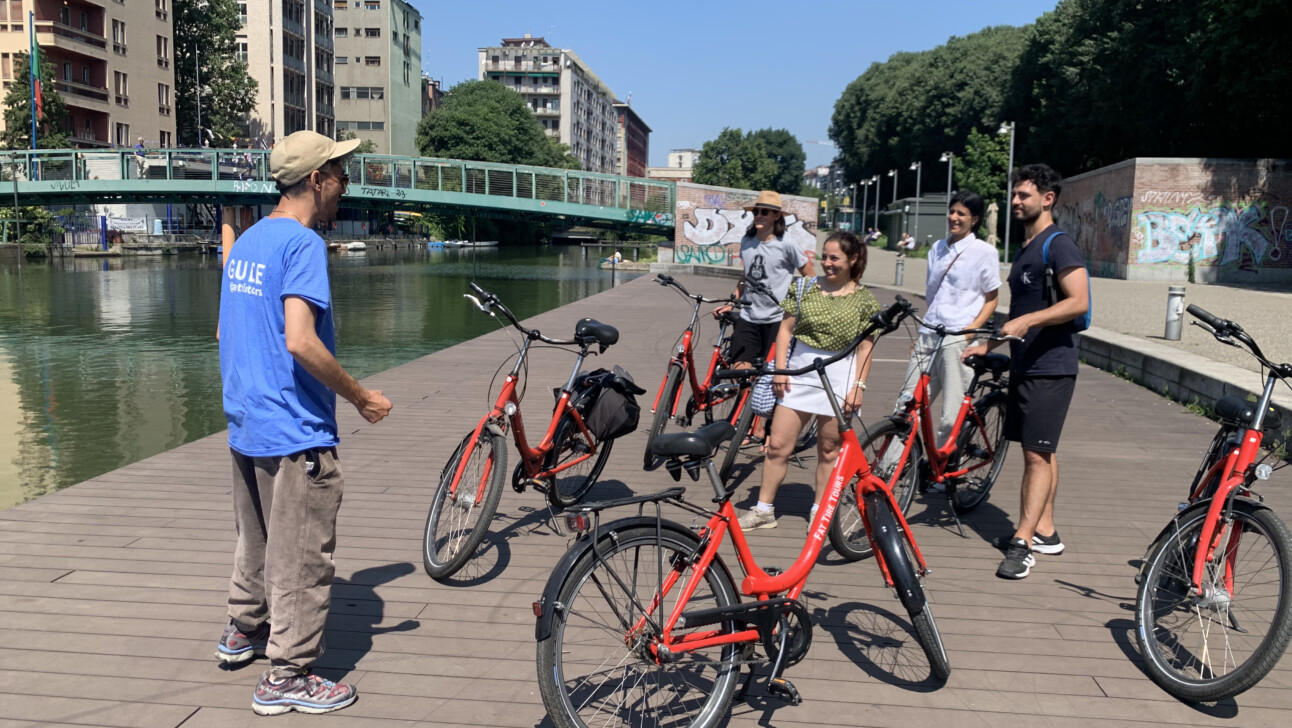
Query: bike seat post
x=578, y=364
x=719, y=488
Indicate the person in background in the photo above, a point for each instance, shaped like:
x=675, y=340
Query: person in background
x=281, y=377
x=832, y=311
x=141, y=159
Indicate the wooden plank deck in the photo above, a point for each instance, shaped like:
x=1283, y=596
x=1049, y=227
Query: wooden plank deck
x=112, y=591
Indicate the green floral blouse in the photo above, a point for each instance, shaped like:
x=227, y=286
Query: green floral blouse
x=829, y=322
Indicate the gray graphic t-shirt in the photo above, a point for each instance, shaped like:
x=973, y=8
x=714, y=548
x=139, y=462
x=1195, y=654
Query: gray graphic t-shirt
x=769, y=267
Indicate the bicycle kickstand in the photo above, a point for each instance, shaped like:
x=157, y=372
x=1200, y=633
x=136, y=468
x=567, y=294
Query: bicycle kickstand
x=951, y=506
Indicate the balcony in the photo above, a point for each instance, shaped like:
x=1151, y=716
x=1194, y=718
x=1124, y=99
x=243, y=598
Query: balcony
x=65, y=36
x=323, y=76
x=73, y=91
x=541, y=111
x=512, y=66
x=295, y=64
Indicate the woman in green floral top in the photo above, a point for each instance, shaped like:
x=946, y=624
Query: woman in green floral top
x=832, y=311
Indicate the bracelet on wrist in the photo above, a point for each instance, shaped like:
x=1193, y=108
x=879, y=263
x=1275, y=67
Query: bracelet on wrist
x=860, y=384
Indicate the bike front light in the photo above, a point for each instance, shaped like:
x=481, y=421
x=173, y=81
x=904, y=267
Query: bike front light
x=1264, y=471
x=509, y=409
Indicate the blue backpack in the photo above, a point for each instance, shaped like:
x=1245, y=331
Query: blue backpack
x=1054, y=293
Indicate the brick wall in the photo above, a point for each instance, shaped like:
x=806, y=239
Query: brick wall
x=710, y=221
x=1144, y=219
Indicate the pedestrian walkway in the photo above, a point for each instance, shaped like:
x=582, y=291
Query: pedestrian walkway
x=112, y=590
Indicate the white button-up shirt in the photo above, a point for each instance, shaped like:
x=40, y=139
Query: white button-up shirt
x=955, y=292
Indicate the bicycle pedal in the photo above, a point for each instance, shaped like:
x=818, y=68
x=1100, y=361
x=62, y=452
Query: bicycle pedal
x=538, y=484
x=779, y=687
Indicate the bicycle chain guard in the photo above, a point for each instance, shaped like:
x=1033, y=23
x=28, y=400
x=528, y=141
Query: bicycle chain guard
x=800, y=637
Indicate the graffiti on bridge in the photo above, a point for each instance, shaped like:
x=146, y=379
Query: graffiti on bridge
x=1247, y=235
x=651, y=218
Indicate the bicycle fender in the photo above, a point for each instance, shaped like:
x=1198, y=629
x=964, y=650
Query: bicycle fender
x=494, y=429
x=546, y=605
x=1250, y=504
x=889, y=541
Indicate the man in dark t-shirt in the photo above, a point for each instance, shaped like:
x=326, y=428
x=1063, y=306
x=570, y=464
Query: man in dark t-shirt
x=1043, y=367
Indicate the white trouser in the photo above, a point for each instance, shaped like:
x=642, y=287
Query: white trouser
x=948, y=376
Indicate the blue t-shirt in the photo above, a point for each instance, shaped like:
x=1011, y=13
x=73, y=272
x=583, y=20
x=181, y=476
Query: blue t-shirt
x=274, y=407
x=1047, y=351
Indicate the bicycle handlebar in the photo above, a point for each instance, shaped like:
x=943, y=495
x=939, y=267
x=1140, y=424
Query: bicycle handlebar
x=1227, y=331
x=992, y=334
x=664, y=280
x=487, y=302
x=885, y=322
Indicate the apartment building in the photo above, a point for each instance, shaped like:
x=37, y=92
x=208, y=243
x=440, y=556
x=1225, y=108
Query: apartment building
x=681, y=164
x=632, y=141
x=112, y=65
x=287, y=45
x=571, y=102
x=379, y=72
x=432, y=95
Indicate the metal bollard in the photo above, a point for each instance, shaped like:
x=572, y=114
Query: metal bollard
x=1174, y=312
x=901, y=269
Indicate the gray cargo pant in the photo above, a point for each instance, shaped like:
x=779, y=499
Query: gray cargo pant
x=285, y=510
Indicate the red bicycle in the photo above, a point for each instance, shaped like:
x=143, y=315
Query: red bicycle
x=564, y=464
x=1213, y=613
x=641, y=623
x=715, y=401
x=907, y=454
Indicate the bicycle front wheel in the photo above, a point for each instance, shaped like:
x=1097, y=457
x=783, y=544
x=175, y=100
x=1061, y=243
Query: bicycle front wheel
x=901, y=564
x=668, y=395
x=1211, y=646
x=597, y=668
x=729, y=450
x=460, y=516
x=982, y=448
x=568, y=444
x=882, y=447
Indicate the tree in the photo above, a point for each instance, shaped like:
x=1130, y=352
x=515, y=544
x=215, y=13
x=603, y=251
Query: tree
x=367, y=146
x=787, y=153
x=736, y=160
x=205, y=36
x=981, y=168
x=17, y=109
x=484, y=121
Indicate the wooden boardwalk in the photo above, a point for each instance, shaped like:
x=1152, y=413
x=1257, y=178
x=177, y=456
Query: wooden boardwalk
x=112, y=591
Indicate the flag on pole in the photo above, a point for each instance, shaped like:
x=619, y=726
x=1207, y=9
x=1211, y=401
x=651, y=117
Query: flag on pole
x=35, y=69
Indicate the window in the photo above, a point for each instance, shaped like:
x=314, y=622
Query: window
x=242, y=51
x=6, y=66
x=119, y=36
x=372, y=32
x=67, y=69
x=340, y=5
x=408, y=69
x=163, y=51
x=161, y=9
x=417, y=25
x=89, y=129
x=340, y=32
x=85, y=74
x=342, y=60
x=242, y=13
x=163, y=99
x=85, y=21
x=65, y=15
x=123, y=136
x=121, y=85
x=372, y=4
x=163, y=139
x=372, y=60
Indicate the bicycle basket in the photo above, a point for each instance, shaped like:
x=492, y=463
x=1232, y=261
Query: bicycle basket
x=614, y=411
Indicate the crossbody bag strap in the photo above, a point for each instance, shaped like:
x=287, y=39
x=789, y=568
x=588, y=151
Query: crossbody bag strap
x=943, y=279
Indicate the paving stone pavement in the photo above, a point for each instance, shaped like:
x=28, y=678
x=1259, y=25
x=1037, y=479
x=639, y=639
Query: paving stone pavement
x=113, y=589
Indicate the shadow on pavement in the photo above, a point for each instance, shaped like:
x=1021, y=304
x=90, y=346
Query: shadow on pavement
x=1123, y=632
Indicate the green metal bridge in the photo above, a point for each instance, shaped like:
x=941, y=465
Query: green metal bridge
x=421, y=184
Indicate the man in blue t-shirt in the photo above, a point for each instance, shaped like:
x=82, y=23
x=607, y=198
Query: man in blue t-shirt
x=1043, y=367
x=281, y=377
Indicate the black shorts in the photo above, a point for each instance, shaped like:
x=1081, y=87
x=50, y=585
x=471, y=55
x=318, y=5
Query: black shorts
x=750, y=341
x=1036, y=409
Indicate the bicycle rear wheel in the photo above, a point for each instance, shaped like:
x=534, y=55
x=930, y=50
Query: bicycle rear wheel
x=668, y=395
x=1215, y=645
x=984, y=446
x=569, y=443
x=457, y=523
x=882, y=445
x=901, y=562
x=597, y=669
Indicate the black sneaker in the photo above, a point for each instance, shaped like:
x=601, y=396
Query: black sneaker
x=1018, y=560
x=1048, y=545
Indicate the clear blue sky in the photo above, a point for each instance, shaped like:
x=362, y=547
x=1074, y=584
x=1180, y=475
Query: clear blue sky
x=694, y=68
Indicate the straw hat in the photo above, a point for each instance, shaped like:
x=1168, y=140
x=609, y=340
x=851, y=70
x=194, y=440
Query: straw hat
x=768, y=199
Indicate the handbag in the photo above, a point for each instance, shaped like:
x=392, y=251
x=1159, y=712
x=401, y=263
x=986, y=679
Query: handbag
x=762, y=399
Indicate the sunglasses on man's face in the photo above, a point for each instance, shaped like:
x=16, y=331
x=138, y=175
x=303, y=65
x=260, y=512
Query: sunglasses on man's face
x=763, y=212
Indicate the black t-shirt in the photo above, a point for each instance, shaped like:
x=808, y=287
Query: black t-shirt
x=1047, y=351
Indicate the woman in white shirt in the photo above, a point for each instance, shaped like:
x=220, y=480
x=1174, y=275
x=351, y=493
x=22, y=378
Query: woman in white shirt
x=960, y=291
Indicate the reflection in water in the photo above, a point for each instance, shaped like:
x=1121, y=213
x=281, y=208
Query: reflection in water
x=104, y=362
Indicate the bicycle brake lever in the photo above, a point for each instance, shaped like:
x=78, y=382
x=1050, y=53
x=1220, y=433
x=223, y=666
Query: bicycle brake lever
x=476, y=301
x=1010, y=337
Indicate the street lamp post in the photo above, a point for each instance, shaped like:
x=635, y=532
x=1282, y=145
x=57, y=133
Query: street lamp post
x=865, y=198
x=875, y=181
x=1007, y=127
x=918, y=168
x=893, y=173
x=949, y=158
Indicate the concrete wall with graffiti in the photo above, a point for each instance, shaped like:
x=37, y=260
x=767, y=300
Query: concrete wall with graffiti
x=710, y=222
x=1150, y=219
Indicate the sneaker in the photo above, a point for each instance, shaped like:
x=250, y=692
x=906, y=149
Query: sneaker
x=754, y=519
x=1048, y=545
x=237, y=646
x=1018, y=560
x=303, y=693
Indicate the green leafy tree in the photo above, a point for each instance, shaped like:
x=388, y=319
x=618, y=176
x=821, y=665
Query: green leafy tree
x=367, y=146
x=737, y=160
x=485, y=121
x=981, y=168
x=17, y=109
x=205, y=36
x=787, y=153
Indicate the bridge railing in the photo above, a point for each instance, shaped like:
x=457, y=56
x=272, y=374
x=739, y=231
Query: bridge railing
x=542, y=184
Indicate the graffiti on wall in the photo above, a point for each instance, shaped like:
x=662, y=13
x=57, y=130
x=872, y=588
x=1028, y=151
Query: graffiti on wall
x=718, y=227
x=716, y=254
x=1245, y=235
x=1099, y=226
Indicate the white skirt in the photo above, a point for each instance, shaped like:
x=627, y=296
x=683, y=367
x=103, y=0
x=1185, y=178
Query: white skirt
x=806, y=393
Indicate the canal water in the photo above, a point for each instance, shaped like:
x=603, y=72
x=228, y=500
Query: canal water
x=104, y=362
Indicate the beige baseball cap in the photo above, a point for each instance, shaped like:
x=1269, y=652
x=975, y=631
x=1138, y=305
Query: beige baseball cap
x=294, y=157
